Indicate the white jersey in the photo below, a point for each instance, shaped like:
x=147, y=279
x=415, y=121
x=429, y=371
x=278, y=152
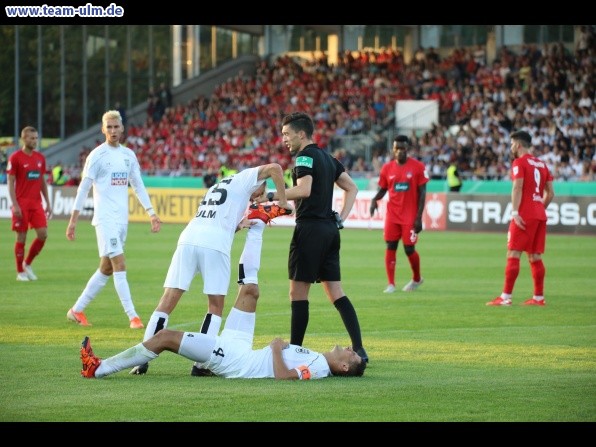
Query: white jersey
x=111, y=169
x=220, y=212
x=234, y=360
x=231, y=354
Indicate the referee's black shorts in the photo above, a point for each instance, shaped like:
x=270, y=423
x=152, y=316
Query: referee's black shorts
x=314, y=252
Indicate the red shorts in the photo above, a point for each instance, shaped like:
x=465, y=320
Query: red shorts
x=32, y=217
x=395, y=232
x=531, y=240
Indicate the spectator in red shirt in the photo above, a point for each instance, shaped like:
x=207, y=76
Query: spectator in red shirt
x=26, y=181
x=531, y=194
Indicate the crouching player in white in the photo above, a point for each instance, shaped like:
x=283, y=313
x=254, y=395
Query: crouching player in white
x=231, y=354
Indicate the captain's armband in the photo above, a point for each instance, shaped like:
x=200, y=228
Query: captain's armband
x=303, y=372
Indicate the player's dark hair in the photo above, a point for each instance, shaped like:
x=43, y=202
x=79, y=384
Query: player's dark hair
x=358, y=369
x=354, y=369
x=402, y=141
x=299, y=121
x=523, y=137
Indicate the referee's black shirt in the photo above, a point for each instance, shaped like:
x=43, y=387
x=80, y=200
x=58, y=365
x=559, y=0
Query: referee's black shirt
x=324, y=170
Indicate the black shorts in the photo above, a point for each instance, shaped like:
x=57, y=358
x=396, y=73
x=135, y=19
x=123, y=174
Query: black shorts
x=314, y=252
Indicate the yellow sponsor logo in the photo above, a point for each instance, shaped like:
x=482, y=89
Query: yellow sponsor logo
x=172, y=205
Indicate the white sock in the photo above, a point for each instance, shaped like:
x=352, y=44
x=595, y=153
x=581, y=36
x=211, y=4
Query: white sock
x=214, y=325
x=137, y=355
x=212, y=329
x=506, y=296
x=157, y=318
x=97, y=282
x=123, y=291
x=251, y=253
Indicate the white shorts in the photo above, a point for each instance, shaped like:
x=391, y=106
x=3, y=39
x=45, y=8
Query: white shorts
x=227, y=354
x=110, y=239
x=189, y=260
x=233, y=356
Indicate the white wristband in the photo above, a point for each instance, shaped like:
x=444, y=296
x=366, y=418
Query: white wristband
x=514, y=213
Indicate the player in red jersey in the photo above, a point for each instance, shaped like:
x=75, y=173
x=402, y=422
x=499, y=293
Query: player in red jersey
x=531, y=194
x=26, y=180
x=405, y=178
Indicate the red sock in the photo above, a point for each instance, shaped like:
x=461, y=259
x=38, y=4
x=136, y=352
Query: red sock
x=390, y=266
x=511, y=272
x=34, y=250
x=414, y=259
x=538, y=272
x=19, y=254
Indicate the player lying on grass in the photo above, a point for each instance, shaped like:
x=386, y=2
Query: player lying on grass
x=231, y=353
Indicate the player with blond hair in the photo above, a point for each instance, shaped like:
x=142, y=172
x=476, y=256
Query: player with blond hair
x=109, y=169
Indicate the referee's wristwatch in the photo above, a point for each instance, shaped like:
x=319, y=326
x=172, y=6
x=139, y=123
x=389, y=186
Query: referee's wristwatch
x=270, y=196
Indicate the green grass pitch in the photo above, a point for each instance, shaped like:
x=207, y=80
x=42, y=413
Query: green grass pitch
x=436, y=355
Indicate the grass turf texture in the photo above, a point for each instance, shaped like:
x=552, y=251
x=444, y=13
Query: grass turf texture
x=436, y=355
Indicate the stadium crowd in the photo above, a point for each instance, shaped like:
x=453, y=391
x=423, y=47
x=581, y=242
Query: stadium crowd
x=549, y=92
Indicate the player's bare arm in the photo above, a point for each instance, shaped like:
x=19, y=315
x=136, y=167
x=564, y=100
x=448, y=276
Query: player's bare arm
x=275, y=172
x=46, y=196
x=549, y=194
x=280, y=369
x=155, y=223
x=373, y=202
x=245, y=223
x=516, y=196
x=300, y=191
x=72, y=223
x=16, y=209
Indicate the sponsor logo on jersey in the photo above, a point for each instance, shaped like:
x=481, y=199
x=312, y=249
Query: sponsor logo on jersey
x=119, y=178
x=207, y=214
x=304, y=161
x=33, y=175
x=401, y=186
x=302, y=350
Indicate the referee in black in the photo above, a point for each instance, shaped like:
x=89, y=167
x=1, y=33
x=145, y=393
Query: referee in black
x=314, y=249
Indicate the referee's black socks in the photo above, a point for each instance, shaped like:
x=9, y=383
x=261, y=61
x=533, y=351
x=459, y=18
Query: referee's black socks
x=348, y=315
x=298, y=322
